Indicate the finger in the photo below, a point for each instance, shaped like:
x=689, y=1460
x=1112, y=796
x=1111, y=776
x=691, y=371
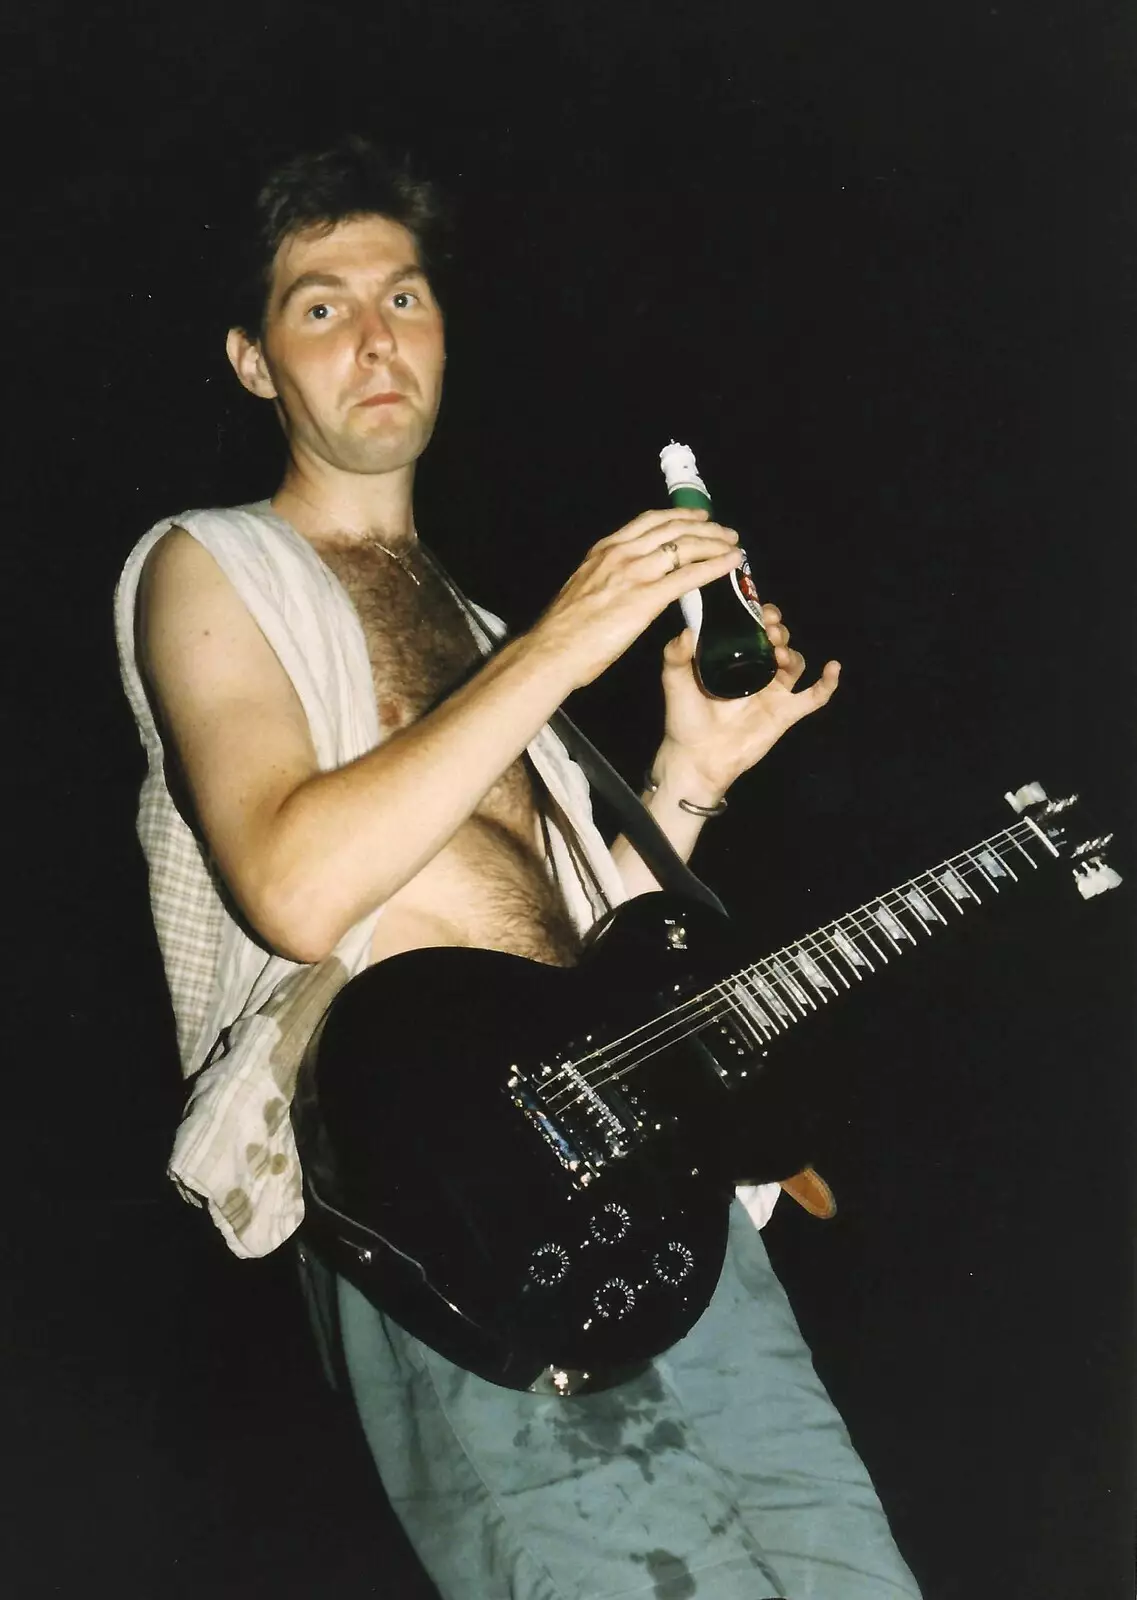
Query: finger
x=819, y=693
x=776, y=630
x=649, y=520
x=663, y=533
x=679, y=652
x=686, y=551
x=777, y=633
x=791, y=665
x=694, y=574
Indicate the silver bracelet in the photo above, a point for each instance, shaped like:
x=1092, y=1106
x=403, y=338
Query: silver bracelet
x=651, y=784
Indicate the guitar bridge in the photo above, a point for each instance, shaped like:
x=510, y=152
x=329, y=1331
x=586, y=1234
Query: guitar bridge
x=586, y=1126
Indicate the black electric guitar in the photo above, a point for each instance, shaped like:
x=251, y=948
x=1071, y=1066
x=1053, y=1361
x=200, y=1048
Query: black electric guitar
x=530, y=1168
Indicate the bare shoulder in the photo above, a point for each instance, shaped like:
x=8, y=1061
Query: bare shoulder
x=195, y=633
x=180, y=580
x=218, y=688
x=177, y=550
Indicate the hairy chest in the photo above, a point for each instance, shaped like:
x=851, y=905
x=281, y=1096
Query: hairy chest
x=420, y=648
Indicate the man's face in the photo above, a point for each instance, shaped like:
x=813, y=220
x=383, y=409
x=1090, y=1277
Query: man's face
x=353, y=345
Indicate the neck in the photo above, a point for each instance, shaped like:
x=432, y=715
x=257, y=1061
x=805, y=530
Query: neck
x=348, y=508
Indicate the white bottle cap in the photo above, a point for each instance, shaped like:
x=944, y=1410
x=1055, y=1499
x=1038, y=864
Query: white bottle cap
x=679, y=469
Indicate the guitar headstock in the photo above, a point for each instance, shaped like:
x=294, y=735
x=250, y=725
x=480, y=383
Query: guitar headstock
x=1051, y=818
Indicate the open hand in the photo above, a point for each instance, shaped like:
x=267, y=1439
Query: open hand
x=715, y=741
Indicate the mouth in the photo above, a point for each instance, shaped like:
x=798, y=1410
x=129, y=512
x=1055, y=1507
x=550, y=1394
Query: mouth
x=389, y=398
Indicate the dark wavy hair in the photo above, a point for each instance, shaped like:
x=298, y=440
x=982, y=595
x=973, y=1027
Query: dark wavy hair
x=354, y=178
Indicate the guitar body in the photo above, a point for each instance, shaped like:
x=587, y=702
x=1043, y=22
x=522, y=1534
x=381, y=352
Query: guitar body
x=530, y=1168
x=476, y=1163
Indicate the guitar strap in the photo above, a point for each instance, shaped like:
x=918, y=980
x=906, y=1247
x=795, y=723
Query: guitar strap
x=651, y=843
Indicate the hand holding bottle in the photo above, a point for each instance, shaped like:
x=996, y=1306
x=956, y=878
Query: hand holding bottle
x=624, y=582
x=730, y=677
x=733, y=655
x=709, y=742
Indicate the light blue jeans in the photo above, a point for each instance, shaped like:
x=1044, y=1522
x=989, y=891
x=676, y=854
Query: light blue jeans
x=723, y=1472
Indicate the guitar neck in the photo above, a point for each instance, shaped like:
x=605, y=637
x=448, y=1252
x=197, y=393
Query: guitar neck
x=771, y=994
x=766, y=998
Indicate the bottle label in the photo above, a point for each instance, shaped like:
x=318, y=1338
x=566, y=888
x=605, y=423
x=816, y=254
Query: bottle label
x=742, y=581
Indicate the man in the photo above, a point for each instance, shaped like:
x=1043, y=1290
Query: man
x=336, y=776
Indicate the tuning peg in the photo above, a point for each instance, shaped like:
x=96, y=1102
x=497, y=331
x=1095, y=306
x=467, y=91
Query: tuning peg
x=1095, y=877
x=1100, y=843
x=1029, y=795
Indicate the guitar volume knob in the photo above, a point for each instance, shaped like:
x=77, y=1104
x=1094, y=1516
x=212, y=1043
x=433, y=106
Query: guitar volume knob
x=673, y=1262
x=614, y=1299
x=609, y=1224
x=548, y=1264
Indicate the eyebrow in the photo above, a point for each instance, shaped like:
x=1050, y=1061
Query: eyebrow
x=332, y=280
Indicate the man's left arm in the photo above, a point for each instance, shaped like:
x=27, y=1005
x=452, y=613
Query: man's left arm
x=707, y=743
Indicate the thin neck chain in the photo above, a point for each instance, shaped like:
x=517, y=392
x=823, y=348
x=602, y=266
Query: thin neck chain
x=400, y=561
x=367, y=538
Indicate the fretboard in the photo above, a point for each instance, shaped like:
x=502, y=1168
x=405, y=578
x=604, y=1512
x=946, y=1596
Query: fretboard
x=769, y=996
x=765, y=999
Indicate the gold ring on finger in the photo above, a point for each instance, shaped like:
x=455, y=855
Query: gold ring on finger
x=676, y=561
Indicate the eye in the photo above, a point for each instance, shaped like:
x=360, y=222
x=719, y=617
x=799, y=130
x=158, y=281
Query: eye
x=403, y=299
x=320, y=312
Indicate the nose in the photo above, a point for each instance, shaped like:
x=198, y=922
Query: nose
x=376, y=337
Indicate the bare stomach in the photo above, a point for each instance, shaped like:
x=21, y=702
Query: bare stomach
x=489, y=889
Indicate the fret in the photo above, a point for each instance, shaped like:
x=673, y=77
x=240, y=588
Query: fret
x=955, y=888
x=938, y=888
x=813, y=974
x=977, y=861
x=866, y=933
x=744, y=1026
x=1034, y=828
x=815, y=940
x=994, y=863
x=933, y=884
x=796, y=993
x=901, y=910
x=1023, y=851
x=746, y=1001
x=1001, y=863
x=772, y=998
x=790, y=983
x=923, y=908
x=854, y=957
x=890, y=923
x=765, y=1016
x=882, y=917
x=966, y=880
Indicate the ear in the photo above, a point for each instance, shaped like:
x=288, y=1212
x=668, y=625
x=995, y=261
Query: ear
x=248, y=362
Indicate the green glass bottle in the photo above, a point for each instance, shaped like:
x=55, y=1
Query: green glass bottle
x=733, y=656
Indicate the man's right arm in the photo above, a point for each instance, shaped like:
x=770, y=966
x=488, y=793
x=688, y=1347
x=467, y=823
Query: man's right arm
x=306, y=853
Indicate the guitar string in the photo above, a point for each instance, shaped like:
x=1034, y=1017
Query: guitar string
x=706, y=1008
x=699, y=1009
x=868, y=920
x=860, y=920
x=691, y=1017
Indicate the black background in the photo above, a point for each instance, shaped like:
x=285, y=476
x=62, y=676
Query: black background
x=875, y=263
